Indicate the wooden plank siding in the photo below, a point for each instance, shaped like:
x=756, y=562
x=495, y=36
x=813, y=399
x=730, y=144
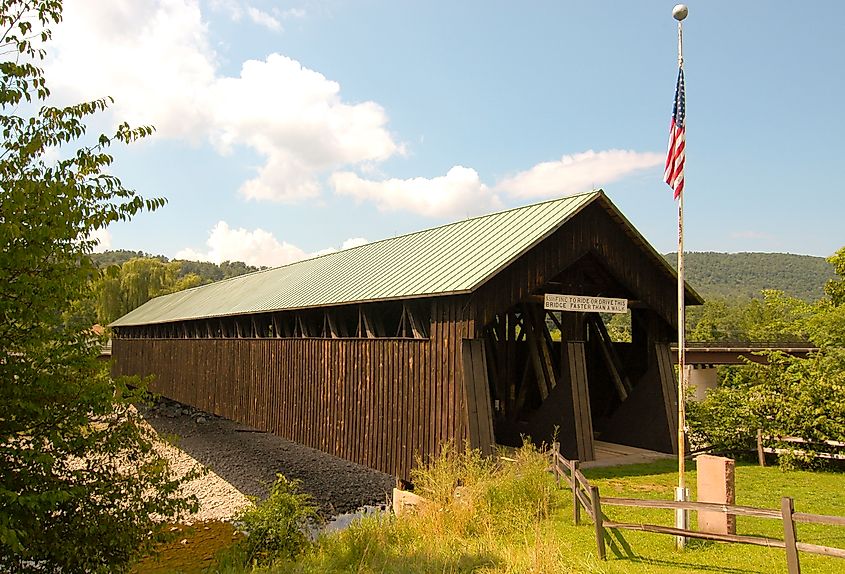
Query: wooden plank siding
x=594, y=231
x=479, y=411
x=377, y=402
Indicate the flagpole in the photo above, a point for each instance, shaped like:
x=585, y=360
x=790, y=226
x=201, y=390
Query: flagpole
x=679, y=12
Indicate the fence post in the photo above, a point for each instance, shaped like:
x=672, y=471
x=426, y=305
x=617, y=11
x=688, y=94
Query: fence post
x=598, y=520
x=555, y=467
x=576, y=504
x=761, y=455
x=789, y=537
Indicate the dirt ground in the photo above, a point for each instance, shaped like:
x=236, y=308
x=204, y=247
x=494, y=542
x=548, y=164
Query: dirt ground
x=248, y=460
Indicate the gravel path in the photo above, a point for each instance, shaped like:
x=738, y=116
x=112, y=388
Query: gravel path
x=247, y=461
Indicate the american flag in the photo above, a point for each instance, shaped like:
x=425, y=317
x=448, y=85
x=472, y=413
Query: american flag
x=674, y=173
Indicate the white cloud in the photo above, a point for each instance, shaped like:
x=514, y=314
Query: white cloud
x=253, y=247
x=103, y=238
x=294, y=117
x=262, y=18
x=292, y=13
x=353, y=242
x=235, y=10
x=231, y=7
x=461, y=192
x=155, y=58
x=576, y=173
x=348, y=244
x=458, y=193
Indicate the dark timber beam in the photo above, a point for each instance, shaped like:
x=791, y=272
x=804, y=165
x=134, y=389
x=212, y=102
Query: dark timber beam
x=535, y=341
x=614, y=366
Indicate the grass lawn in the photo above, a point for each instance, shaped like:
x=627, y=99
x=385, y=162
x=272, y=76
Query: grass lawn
x=512, y=518
x=448, y=541
x=814, y=492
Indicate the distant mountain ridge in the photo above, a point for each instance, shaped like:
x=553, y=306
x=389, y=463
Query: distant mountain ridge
x=744, y=275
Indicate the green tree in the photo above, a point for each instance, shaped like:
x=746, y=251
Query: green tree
x=79, y=477
x=835, y=288
x=776, y=317
x=790, y=396
x=121, y=289
x=719, y=319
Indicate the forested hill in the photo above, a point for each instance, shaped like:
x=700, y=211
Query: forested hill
x=207, y=271
x=746, y=274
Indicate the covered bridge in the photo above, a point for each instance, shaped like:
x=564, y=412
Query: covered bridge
x=382, y=352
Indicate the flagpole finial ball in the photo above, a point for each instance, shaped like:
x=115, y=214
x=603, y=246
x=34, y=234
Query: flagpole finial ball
x=679, y=12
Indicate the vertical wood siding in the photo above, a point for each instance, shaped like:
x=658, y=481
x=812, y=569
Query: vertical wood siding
x=594, y=231
x=377, y=402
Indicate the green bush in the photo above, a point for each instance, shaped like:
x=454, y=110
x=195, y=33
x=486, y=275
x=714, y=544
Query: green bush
x=788, y=397
x=277, y=527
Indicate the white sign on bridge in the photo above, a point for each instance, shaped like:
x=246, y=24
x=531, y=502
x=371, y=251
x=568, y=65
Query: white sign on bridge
x=555, y=302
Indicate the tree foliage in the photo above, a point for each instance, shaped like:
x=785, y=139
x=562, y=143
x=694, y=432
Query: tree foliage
x=835, y=288
x=776, y=318
x=207, y=270
x=131, y=278
x=120, y=289
x=79, y=478
x=789, y=396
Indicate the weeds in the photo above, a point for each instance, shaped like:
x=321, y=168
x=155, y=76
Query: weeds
x=277, y=527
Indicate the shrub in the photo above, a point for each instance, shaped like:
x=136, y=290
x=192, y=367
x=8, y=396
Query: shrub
x=277, y=527
x=484, y=513
x=788, y=397
x=521, y=493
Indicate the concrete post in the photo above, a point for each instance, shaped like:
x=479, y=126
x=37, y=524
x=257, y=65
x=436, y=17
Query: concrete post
x=716, y=484
x=702, y=379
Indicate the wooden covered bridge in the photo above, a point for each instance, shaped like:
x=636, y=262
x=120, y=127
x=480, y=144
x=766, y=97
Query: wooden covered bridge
x=382, y=352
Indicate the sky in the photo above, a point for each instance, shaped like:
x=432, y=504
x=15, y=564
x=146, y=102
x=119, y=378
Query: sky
x=287, y=129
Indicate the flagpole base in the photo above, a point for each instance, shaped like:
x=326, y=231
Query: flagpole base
x=681, y=516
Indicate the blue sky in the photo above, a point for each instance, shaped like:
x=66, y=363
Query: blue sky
x=288, y=128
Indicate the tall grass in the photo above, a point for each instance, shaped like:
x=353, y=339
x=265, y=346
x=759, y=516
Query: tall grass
x=506, y=515
x=483, y=514
x=473, y=496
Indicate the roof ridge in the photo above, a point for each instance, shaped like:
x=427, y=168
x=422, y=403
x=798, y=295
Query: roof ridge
x=253, y=290
x=409, y=234
x=428, y=229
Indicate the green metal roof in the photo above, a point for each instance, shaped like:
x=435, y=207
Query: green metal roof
x=451, y=259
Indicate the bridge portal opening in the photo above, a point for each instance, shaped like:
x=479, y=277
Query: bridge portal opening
x=577, y=377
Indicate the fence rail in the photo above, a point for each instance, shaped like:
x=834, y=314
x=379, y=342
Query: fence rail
x=834, y=447
x=586, y=496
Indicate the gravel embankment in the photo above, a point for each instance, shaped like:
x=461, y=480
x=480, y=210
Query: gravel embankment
x=245, y=461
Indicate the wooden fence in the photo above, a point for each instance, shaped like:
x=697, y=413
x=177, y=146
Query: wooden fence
x=586, y=496
x=791, y=444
